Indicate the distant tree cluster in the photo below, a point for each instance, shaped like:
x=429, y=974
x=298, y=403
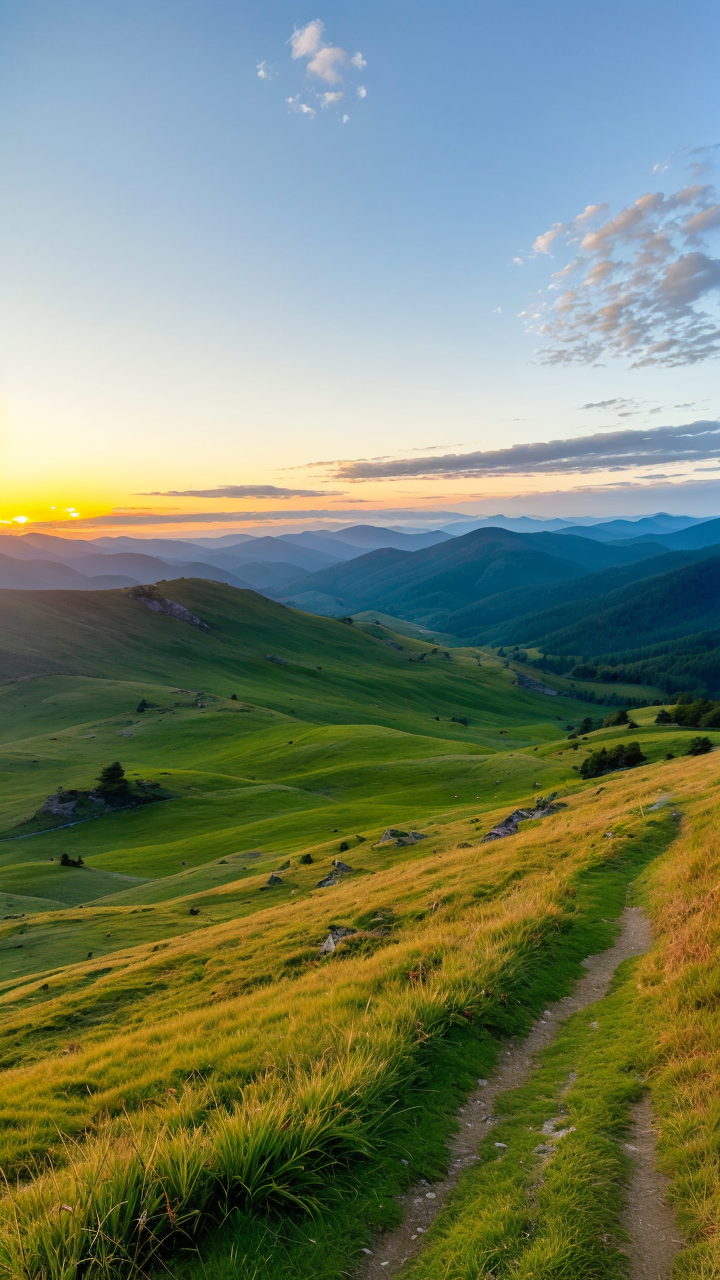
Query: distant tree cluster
x=689, y=713
x=608, y=759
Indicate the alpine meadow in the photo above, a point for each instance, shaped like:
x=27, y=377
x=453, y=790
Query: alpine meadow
x=252, y=974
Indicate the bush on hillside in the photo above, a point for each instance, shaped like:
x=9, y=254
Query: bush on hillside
x=617, y=718
x=607, y=760
x=699, y=746
x=663, y=717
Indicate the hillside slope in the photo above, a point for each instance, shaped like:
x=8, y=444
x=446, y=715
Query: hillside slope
x=238, y=1022
x=429, y=585
x=664, y=608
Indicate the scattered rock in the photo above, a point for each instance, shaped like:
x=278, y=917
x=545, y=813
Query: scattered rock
x=275, y=879
x=150, y=597
x=271, y=657
x=342, y=867
x=392, y=835
x=335, y=936
x=508, y=827
x=194, y=911
x=527, y=682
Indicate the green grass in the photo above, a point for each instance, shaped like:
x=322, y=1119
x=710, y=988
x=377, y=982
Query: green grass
x=211, y=1064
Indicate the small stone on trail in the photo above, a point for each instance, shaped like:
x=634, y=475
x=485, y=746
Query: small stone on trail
x=502, y=1144
x=369, y=1252
x=482, y=1083
x=430, y=1195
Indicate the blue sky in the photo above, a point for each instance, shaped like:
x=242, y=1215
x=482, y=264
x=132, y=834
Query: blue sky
x=208, y=287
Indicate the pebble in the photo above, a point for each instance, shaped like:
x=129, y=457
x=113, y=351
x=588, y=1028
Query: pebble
x=430, y=1195
x=501, y=1144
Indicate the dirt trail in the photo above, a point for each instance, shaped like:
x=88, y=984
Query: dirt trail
x=423, y=1202
x=648, y=1220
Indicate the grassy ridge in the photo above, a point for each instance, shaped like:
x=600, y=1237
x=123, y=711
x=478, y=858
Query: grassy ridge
x=213, y=1069
x=519, y=1215
x=479, y=954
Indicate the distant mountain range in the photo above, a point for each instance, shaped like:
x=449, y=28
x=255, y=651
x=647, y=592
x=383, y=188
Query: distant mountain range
x=43, y=561
x=431, y=586
x=642, y=595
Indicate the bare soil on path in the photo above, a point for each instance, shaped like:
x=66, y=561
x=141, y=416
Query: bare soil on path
x=644, y=1218
x=648, y=1220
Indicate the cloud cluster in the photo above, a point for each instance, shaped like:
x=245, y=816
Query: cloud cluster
x=243, y=491
x=641, y=284
x=611, y=451
x=326, y=64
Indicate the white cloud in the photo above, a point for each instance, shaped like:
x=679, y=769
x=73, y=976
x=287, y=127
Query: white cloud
x=307, y=40
x=361, y=91
x=345, y=119
x=644, y=287
x=265, y=71
x=326, y=62
x=329, y=99
x=294, y=104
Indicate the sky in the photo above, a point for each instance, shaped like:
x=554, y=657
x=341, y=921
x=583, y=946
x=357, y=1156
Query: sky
x=268, y=266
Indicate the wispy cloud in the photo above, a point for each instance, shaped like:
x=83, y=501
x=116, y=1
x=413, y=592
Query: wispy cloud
x=296, y=104
x=265, y=71
x=243, y=491
x=325, y=61
x=325, y=64
x=613, y=450
x=640, y=285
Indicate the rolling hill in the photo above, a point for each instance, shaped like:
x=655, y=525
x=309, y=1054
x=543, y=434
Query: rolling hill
x=243, y=1021
x=431, y=584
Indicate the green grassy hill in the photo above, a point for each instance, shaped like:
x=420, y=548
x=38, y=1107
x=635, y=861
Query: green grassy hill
x=430, y=585
x=229, y=1093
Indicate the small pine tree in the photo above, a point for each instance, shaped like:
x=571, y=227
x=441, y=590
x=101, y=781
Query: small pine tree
x=113, y=783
